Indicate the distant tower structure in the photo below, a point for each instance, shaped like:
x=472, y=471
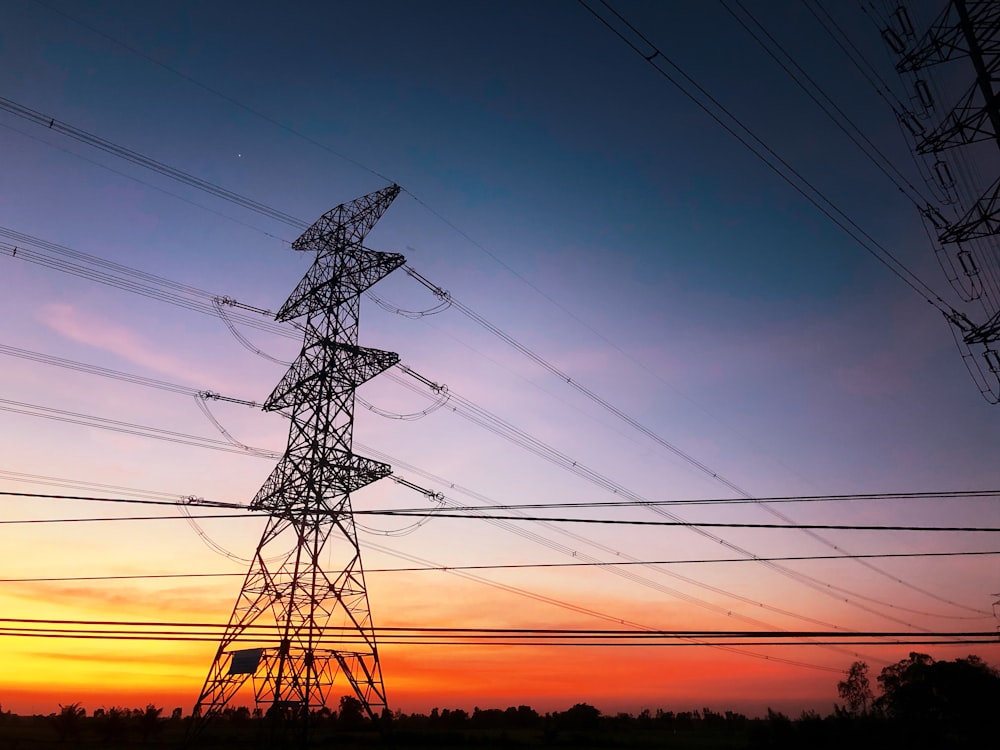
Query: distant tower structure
x=302, y=617
x=950, y=135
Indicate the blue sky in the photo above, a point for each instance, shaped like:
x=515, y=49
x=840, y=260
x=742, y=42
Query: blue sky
x=605, y=222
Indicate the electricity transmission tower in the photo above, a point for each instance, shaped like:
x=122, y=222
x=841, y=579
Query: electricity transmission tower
x=967, y=32
x=302, y=617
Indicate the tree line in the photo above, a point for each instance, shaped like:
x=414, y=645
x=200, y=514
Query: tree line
x=917, y=701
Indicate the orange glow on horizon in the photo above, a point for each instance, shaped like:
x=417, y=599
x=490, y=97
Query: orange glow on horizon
x=41, y=673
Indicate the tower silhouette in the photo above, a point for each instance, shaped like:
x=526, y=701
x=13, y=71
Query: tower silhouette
x=965, y=33
x=300, y=620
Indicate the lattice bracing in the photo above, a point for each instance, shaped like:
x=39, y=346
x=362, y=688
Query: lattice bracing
x=302, y=618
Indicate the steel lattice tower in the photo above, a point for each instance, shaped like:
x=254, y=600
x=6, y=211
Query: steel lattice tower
x=967, y=32
x=314, y=612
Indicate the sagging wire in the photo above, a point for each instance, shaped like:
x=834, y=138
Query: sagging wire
x=190, y=500
x=411, y=417
x=435, y=497
x=443, y=305
x=960, y=327
x=441, y=391
x=208, y=541
x=201, y=397
x=219, y=303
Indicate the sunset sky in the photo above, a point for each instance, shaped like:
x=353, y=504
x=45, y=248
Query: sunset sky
x=562, y=189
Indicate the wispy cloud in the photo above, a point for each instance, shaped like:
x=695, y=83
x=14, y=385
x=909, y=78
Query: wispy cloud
x=112, y=336
x=109, y=657
x=199, y=602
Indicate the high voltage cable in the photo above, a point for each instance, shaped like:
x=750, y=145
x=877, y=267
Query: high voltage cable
x=563, y=549
x=548, y=519
x=899, y=109
x=450, y=642
x=69, y=364
x=162, y=626
x=29, y=521
x=579, y=469
x=145, y=284
x=262, y=634
x=472, y=576
x=772, y=160
x=129, y=428
x=325, y=147
x=146, y=162
x=807, y=580
x=335, y=645
x=144, y=183
x=20, y=476
x=697, y=524
x=767, y=156
x=177, y=174
x=506, y=566
x=638, y=579
x=501, y=427
x=616, y=567
x=686, y=597
x=125, y=153
x=944, y=495
x=476, y=512
x=902, y=183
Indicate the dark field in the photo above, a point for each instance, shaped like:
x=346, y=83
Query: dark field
x=580, y=727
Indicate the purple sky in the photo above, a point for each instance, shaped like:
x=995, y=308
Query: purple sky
x=561, y=188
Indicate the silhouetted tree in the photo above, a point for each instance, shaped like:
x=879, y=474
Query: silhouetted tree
x=112, y=722
x=69, y=721
x=352, y=713
x=920, y=689
x=941, y=703
x=582, y=716
x=149, y=721
x=856, y=690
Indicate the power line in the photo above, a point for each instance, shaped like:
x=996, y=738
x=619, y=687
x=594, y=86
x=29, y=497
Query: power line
x=517, y=566
x=696, y=524
x=770, y=158
x=271, y=634
x=179, y=175
x=549, y=519
x=129, y=428
x=89, y=139
x=127, y=278
x=880, y=496
x=340, y=155
x=807, y=580
x=478, y=514
x=29, y=521
x=505, y=429
x=837, y=115
x=812, y=582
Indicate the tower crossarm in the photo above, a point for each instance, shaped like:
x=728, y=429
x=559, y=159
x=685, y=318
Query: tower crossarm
x=946, y=38
x=982, y=220
x=347, y=224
